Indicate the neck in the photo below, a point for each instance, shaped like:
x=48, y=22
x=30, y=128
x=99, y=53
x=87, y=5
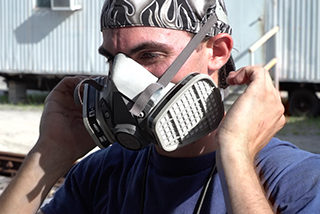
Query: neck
x=202, y=146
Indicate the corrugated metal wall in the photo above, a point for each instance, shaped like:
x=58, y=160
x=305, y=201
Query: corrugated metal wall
x=298, y=41
x=39, y=40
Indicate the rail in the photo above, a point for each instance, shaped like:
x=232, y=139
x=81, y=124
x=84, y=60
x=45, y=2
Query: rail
x=10, y=163
x=258, y=44
x=271, y=63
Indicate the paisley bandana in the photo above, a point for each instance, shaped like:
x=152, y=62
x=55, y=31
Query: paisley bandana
x=187, y=15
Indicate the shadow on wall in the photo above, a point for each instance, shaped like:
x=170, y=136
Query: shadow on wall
x=39, y=25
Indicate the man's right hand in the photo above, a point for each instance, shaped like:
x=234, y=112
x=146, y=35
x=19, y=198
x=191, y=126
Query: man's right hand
x=63, y=139
x=62, y=128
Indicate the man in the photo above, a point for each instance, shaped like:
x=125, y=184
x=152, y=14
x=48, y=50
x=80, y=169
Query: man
x=237, y=167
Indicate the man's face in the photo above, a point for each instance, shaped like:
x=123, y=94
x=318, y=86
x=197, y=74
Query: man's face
x=155, y=49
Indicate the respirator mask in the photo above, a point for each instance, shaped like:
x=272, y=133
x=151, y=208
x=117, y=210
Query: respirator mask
x=134, y=108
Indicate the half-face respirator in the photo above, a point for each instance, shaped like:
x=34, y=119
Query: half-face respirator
x=123, y=108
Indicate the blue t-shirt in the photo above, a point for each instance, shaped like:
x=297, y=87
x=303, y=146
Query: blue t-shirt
x=116, y=180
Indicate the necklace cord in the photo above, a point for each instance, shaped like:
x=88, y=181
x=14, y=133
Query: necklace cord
x=204, y=191
x=201, y=198
x=144, y=181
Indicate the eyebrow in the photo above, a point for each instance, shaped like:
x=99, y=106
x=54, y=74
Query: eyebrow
x=150, y=46
x=138, y=48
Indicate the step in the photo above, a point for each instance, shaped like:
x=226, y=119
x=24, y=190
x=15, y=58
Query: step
x=235, y=92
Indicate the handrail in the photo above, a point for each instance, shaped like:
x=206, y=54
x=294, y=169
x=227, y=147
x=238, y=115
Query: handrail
x=263, y=39
x=271, y=63
x=258, y=44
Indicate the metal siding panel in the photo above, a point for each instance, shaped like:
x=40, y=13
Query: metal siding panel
x=317, y=46
x=314, y=46
x=39, y=40
x=298, y=41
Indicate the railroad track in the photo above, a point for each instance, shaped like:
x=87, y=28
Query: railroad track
x=10, y=163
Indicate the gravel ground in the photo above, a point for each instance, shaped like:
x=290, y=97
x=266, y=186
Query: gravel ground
x=303, y=133
x=19, y=129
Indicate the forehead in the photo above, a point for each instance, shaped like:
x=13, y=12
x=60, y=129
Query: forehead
x=120, y=39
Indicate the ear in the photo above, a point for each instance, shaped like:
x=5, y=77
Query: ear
x=219, y=48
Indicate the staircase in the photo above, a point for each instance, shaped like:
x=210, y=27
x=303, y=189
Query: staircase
x=235, y=92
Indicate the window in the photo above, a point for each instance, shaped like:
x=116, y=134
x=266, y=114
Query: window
x=43, y=3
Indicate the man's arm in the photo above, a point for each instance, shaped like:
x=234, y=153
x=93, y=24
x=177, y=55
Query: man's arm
x=63, y=139
x=248, y=126
x=32, y=183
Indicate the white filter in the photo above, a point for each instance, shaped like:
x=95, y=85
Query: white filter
x=195, y=111
x=131, y=78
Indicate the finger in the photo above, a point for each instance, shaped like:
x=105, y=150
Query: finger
x=248, y=74
x=62, y=94
x=68, y=83
x=239, y=77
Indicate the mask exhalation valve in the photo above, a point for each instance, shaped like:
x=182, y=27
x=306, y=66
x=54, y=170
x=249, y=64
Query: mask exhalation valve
x=127, y=136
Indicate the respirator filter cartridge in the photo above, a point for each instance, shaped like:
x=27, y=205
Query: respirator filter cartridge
x=193, y=110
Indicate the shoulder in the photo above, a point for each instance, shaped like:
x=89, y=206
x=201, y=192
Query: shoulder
x=290, y=175
x=279, y=155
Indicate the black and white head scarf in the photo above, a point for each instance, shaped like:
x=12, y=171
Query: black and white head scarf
x=187, y=15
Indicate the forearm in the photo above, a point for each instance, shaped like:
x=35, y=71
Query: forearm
x=242, y=188
x=30, y=186
x=250, y=123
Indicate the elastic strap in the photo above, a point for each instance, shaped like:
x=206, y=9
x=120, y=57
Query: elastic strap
x=164, y=80
x=77, y=91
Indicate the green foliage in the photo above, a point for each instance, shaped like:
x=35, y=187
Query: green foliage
x=33, y=101
x=301, y=126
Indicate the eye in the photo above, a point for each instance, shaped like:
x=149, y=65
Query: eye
x=147, y=56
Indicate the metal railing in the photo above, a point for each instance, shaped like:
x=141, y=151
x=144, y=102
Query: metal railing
x=273, y=61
